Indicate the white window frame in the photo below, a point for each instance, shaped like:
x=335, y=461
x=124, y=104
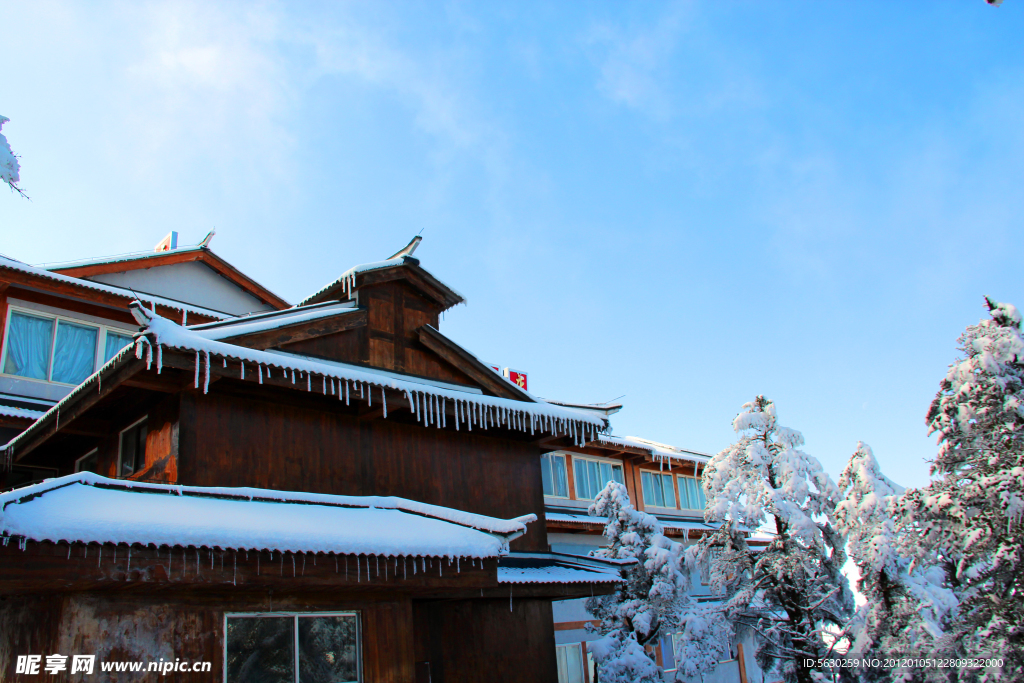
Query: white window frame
x=675, y=490
x=680, y=490
x=608, y=461
x=568, y=464
x=101, y=340
x=295, y=615
x=120, y=441
x=78, y=461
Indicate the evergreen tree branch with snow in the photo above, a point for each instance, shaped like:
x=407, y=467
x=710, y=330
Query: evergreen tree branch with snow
x=653, y=601
x=972, y=512
x=792, y=593
x=908, y=603
x=9, y=166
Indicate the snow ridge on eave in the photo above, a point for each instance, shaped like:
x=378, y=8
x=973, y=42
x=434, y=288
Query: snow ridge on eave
x=656, y=452
x=13, y=411
x=348, y=278
x=555, y=575
x=427, y=403
x=243, y=326
x=263, y=315
x=11, y=264
x=504, y=527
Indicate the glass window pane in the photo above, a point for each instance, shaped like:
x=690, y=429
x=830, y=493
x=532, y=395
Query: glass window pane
x=74, y=357
x=545, y=474
x=133, y=449
x=648, y=489
x=594, y=479
x=692, y=501
x=28, y=346
x=617, y=474
x=558, y=474
x=115, y=342
x=668, y=489
x=260, y=649
x=580, y=472
x=563, y=675
x=88, y=463
x=702, y=500
x=328, y=649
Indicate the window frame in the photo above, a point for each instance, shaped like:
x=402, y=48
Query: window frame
x=101, y=340
x=698, y=488
x=95, y=451
x=295, y=643
x=672, y=483
x=582, y=660
x=567, y=464
x=605, y=461
x=120, y=447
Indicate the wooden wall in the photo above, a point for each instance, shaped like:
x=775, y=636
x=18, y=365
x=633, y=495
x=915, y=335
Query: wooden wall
x=232, y=440
x=486, y=641
x=147, y=627
x=389, y=340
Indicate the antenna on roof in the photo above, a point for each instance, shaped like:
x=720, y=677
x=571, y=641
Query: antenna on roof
x=409, y=248
x=205, y=244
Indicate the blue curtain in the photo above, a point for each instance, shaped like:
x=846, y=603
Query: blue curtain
x=115, y=342
x=75, y=355
x=28, y=346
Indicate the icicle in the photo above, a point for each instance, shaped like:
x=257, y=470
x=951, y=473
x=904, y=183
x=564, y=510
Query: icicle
x=369, y=395
x=346, y=393
x=268, y=372
x=440, y=570
x=308, y=382
x=324, y=378
x=423, y=562
x=414, y=566
x=291, y=374
x=443, y=414
x=159, y=359
x=184, y=317
x=412, y=406
x=129, y=566
x=405, y=567
x=384, y=401
x=234, y=569
x=456, y=414
x=243, y=369
x=260, y=369
x=206, y=377
x=303, y=564
x=361, y=390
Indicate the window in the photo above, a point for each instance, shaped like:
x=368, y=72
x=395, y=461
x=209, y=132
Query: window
x=115, y=342
x=292, y=648
x=55, y=349
x=553, y=473
x=87, y=463
x=132, y=455
x=593, y=475
x=570, y=663
x=691, y=495
x=657, y=489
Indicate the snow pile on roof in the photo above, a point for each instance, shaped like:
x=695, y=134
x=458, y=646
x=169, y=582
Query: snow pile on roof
x=261, y=322
x=658, y=451
x=88, y=508
x=12, y=411
x=429, y=403
x=118, y=258
x=559, y=568
x=348, y=278
x=12, y=264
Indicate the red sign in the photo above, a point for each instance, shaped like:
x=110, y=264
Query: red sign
x=516, y=377
x=492, y=366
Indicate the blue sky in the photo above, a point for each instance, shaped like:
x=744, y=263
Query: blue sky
x=685, y=203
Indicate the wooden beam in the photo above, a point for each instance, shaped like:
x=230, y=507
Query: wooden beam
x=308, y=329
x=463, y=360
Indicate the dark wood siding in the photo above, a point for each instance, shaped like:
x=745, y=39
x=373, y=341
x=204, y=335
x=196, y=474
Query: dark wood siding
x=233, y=440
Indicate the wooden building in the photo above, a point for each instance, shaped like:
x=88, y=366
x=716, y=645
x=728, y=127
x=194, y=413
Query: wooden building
x=329, y=491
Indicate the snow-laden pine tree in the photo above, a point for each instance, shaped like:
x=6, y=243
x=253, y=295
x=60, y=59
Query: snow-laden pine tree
x=972, y=512
x=792, y=593
x=9, y=166
x=652, y=602
x=907, y=602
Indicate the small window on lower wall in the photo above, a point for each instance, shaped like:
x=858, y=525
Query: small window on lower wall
x=553, y=476
x=570, y=663
x=132, y=453
x=292, y=648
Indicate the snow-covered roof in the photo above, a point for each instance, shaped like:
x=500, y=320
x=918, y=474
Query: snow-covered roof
x=559, y=568
x=12, y=264
x=89, y=508
x=261, y=322
x=347, y=281
x=118, y=258
x=13, y=411
x=659, y=451
x=603, y=408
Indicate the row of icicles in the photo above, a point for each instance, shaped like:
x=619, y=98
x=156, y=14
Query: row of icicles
x=398, y=563
x=429, y=409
